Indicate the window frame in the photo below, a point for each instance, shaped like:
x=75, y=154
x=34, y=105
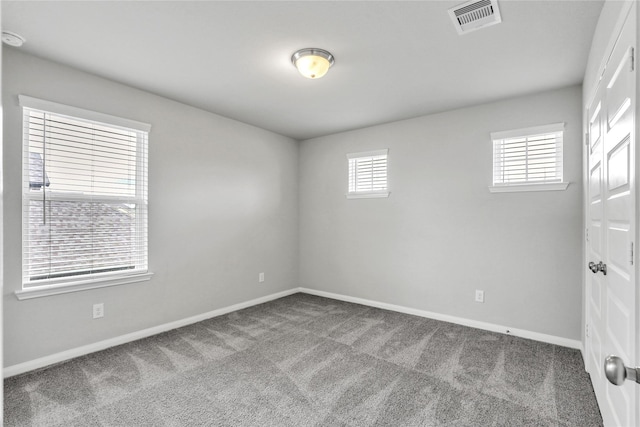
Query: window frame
x=74, y=283
x=555, y=184
x=367, y=194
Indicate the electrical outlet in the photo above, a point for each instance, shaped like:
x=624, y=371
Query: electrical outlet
x=479, y=296
x=98, y=310
x=261, y=277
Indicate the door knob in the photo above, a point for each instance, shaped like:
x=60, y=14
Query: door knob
x=616, y=372
x=598, y=267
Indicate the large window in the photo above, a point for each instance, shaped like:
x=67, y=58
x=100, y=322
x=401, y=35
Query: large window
x=368, y=174
x=84, y=197
x=528, y=159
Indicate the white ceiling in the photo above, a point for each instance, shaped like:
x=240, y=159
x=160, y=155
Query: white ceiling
x=394, y=59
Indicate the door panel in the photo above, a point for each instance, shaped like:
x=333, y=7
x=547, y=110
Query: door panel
x=618, y=331
x=618, y=95
x=619, y=177
x=594, y=184
x=618, y=241
x=595, y=131
x=596, y=297
x=595, y=353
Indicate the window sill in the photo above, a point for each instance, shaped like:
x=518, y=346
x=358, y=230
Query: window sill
x=77, y=286
x=367, y=195
x=556, y=186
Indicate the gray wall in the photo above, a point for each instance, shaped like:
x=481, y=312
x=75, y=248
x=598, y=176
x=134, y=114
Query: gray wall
x=225, y=199
x=222, y=208
x=441, y=234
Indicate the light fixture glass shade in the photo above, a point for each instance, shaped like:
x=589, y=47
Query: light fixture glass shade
x=312, y=63
x=12, y=39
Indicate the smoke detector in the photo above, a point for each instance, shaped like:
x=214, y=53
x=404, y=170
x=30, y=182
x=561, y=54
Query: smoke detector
x=12, y=39
x=474, y=15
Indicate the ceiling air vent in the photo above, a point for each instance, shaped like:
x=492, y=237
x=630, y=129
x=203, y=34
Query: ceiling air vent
x=474, y=15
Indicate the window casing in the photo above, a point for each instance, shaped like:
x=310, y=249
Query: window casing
x=368, y=174
x=85, y=202
x=528, y=159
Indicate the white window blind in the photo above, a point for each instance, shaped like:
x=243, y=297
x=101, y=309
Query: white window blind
x=528, y=156
x=84, y=195
x=368, y=174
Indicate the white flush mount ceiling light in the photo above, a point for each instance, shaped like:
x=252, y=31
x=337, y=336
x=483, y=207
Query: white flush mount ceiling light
x=312, y=63
x=12, y=39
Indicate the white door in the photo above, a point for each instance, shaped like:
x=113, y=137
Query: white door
x=611, y=207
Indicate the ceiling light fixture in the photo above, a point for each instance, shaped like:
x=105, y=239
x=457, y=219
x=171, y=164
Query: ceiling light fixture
x=312, y=63
x=12, y=39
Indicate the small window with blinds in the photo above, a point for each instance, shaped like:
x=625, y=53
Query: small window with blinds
x=84, y=196
x=528, y=159
x=368, y=174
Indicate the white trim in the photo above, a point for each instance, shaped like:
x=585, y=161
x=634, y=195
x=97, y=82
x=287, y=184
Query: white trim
x=67, y=110
x=530, y=131
x=373, y=153
x=371, y=195
x=80, y=285
x=512, y=188
x=42, y=362
x=522, y=333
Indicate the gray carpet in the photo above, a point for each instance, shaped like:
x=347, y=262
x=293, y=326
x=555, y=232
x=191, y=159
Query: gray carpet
x=310, y=361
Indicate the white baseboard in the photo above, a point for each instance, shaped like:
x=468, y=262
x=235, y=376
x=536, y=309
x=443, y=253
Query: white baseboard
x=42, y=362
x=537, y=336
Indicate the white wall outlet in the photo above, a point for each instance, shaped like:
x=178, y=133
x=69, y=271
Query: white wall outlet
x=479, y=296
x=98, y=310
x=261, y=277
